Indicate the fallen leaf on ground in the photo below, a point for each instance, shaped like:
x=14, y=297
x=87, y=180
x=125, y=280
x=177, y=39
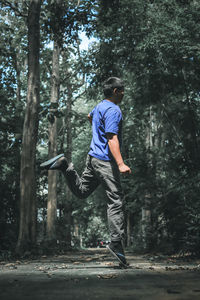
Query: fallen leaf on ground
x=63, y=267
x=109, y=264
x=43, y=269
x=13, y=266
x=89, y=259
x=10, y=265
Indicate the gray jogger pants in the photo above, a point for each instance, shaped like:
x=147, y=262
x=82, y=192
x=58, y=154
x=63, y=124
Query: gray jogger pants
x=106, y=173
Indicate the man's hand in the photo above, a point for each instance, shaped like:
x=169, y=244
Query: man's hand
x=124, y=169
x=113, y=144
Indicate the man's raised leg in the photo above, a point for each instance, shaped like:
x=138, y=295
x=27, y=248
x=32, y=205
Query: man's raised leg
x=82, y=186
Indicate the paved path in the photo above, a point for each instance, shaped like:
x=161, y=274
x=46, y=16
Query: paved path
x=95, y=274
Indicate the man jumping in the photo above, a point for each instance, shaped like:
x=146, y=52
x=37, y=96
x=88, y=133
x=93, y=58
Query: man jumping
x=104, y=162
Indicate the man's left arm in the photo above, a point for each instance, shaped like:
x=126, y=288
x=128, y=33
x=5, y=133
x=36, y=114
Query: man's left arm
x=114, y=147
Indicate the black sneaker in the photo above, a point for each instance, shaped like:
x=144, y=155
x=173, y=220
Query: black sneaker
x=117, y=250
x=55, y=163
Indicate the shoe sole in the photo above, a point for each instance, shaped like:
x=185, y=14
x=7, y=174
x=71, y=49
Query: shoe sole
x=113, y=253
x=47, y=164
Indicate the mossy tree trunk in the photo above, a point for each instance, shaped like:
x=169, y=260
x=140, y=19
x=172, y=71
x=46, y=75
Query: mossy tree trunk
x=28, y=216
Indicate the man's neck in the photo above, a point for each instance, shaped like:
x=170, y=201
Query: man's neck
x=112, y=100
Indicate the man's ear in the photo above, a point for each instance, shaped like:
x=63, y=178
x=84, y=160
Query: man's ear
x=115, y=91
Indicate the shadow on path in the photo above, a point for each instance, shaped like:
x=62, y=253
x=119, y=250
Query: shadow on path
x=96, y=275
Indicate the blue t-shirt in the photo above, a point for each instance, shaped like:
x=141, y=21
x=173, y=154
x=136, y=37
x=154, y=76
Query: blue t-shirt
x=106, y=118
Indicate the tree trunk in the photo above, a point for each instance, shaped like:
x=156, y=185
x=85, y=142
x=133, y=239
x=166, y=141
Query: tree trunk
x=68, y=124
x=146, y=212
x=128, y=229
x=27, y=229
x=52, y=176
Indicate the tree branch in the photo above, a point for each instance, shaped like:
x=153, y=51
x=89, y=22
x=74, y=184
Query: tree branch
x=14, y=8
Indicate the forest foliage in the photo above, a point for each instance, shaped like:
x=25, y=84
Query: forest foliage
x=155, y=47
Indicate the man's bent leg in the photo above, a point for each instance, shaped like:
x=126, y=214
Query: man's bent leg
x=82, y=186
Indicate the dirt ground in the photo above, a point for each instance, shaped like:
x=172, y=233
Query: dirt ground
x=95, y=274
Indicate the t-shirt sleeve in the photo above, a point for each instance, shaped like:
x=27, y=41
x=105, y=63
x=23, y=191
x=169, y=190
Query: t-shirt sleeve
x=112, y=119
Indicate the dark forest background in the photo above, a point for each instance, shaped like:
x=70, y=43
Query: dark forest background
x=49, y=85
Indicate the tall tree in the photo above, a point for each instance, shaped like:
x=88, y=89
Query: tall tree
x=64, y=21
x=72, y=82
x=52, y=176
x=27, y=229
